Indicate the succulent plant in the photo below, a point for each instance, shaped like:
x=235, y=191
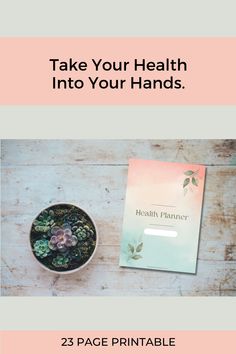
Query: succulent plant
x=84, y=232
x=86, y=248
x=62, y=238
x=84, y=251
x=41, y=248
x=45, y=221
x=73, y=218
x=60, y=211
x=76, y=253
x=60, y=261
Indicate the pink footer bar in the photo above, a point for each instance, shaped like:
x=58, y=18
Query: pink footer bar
x=175, y=342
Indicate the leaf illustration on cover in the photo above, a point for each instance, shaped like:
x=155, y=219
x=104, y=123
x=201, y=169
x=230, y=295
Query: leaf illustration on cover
x=186, y=182
x=195, y=181
x=136, y=256
x=131, y=248
x=134, y=250
x=139, y=247
x=189, y=173
x=190, y=181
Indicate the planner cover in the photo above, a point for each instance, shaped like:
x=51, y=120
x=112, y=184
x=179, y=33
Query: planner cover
x=162, y=215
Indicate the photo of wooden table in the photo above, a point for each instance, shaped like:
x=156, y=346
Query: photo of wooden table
x=93, y=174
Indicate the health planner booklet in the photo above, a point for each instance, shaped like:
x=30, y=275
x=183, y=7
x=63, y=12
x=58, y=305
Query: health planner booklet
x=162, y=215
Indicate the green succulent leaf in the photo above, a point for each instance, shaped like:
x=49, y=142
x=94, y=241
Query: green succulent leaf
x=51, y=212
x=44, y=222
x=136, y=256
x=60, y=261
x=195, y=181
x=139, y=247
x=186, y=182
x=189, y=173
x=41, y=248
x=42, y=228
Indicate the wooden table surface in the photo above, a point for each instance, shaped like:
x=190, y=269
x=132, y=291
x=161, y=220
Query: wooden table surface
x=93, y=174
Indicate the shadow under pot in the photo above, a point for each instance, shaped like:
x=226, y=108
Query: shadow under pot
x=63, y=238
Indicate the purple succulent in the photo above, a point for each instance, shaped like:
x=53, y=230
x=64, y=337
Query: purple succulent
x=62, y=238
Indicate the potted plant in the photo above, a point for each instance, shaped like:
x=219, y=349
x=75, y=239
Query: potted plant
x=63, y=238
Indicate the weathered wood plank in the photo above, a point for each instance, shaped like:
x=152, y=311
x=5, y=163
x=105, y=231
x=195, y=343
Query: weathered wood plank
x=100, y=279
x=213, y=246
x=97, y=182
x=29, y=188
x=54, y=152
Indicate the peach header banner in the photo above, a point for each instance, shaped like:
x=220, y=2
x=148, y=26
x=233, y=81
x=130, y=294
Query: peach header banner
x=183, y=342
x=117, y=71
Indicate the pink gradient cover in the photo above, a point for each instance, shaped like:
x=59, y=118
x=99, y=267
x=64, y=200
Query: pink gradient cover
x=162, y=215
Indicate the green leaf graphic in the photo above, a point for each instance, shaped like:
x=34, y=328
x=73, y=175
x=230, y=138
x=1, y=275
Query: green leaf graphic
x=195, y=181
x=189, y=173
x=131, y=248
x=186, y=182
x=139, y=247
x=136, y=256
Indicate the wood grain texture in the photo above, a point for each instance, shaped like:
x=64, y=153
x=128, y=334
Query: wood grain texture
x=92, y=174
